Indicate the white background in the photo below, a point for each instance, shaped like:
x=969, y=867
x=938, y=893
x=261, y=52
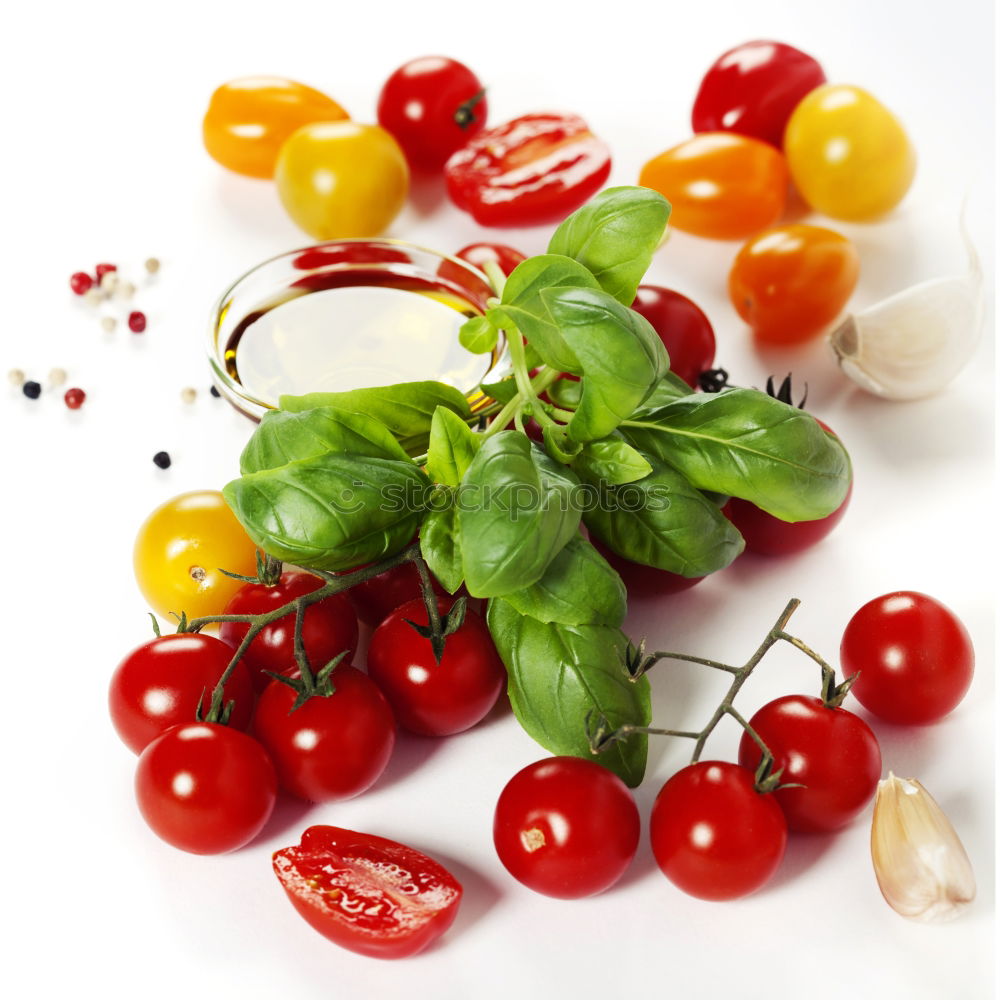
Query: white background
x=103, y=161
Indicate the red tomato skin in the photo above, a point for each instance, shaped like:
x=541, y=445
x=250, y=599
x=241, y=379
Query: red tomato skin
x=644, y=581
x=684, y=329
x=713, y=834
x=753, y=88
x=329, y=627
x=330, y=748
x=830, y=751
x=418, y=106
x=532, y=170
x=205, y=788
x=159, y=684
x=435, y=699
x=914, y=658
x=378, y=597
x=767, y=535
x=350, y=865
x=566, y=827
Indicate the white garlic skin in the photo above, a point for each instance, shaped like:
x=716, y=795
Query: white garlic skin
x=920, y=863
x=912, y=344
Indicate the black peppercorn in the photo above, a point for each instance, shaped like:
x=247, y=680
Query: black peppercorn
x=162, y=460
x=215, y=392
x=31, y=389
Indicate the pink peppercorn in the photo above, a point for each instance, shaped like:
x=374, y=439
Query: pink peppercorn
x=103, y=269
x=81, y=282
x=137, y=321
x=74, y=398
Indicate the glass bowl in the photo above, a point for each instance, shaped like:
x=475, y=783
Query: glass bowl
x=348, y=314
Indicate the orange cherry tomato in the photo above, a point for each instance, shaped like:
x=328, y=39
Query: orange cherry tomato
x=791, y=282
x=848, y=154
x=249, y=119
x=342, y=179
x=720, y=185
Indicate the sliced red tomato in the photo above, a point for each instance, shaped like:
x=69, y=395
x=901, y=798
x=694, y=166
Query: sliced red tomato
x=368, y=894
x=534, y=169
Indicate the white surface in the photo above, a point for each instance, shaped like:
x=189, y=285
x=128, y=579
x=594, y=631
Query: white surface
x=102, y=160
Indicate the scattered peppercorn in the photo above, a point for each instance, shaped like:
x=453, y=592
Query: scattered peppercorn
x=31, y=389
x=93, y=296
x=103, y=269
x=162, y=460
x=16, y=377
x=124, y=290
x=109, y=323
x=215, y=392
x=152, y=265
x=109, y=282
x=74, y=398
x=188, y=395
x=81, y=282
x=57, y=376
x=137, y=321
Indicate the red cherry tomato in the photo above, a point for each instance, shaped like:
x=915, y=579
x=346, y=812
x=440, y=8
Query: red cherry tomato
x=505, y=257
x=644, y=581
x=368, y=894
x=791, y=282
x=713, y=834
x=566, y=827
x=429, y=698
x=205, y=788
x=376, y=598
x=332, y=747
x=913, y=656
x=684, y=329
x=432, y=106
x=753, y=89
x=720, y=185
x=329, y=627
x=532, y=170
x=160, y=683
x=767, y=535
x=831, y=752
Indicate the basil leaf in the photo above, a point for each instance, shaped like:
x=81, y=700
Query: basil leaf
x=620, y=355
x=332, y=512
x=283, y=437
x=560, y=674
x=452, y=447
x=478, y=335
x=747, y=444
x=578, y=588
x=669, y=388
x=663, y=521
x=503, y=391
x=521, y=305
x=565, y=393
x=514, y=512
x=612, y=460
x=405, y=408
x=441, y=548
x=615, y=236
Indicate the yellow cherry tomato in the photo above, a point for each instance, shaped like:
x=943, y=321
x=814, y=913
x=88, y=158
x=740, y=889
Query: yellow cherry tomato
x=180, y=550
x=848, y=154
x=342, y=179
x=248, y=120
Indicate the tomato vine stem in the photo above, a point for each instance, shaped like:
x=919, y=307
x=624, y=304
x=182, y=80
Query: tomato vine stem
x=638, y=662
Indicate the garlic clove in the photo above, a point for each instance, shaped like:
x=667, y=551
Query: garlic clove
x=920, y=863
x=912, y=344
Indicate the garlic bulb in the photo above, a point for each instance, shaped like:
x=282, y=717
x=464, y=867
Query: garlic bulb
x=921, y=865
x=914, y=343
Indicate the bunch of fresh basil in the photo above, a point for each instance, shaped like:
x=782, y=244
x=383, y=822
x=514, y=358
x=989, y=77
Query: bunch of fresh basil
x=645, y=463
